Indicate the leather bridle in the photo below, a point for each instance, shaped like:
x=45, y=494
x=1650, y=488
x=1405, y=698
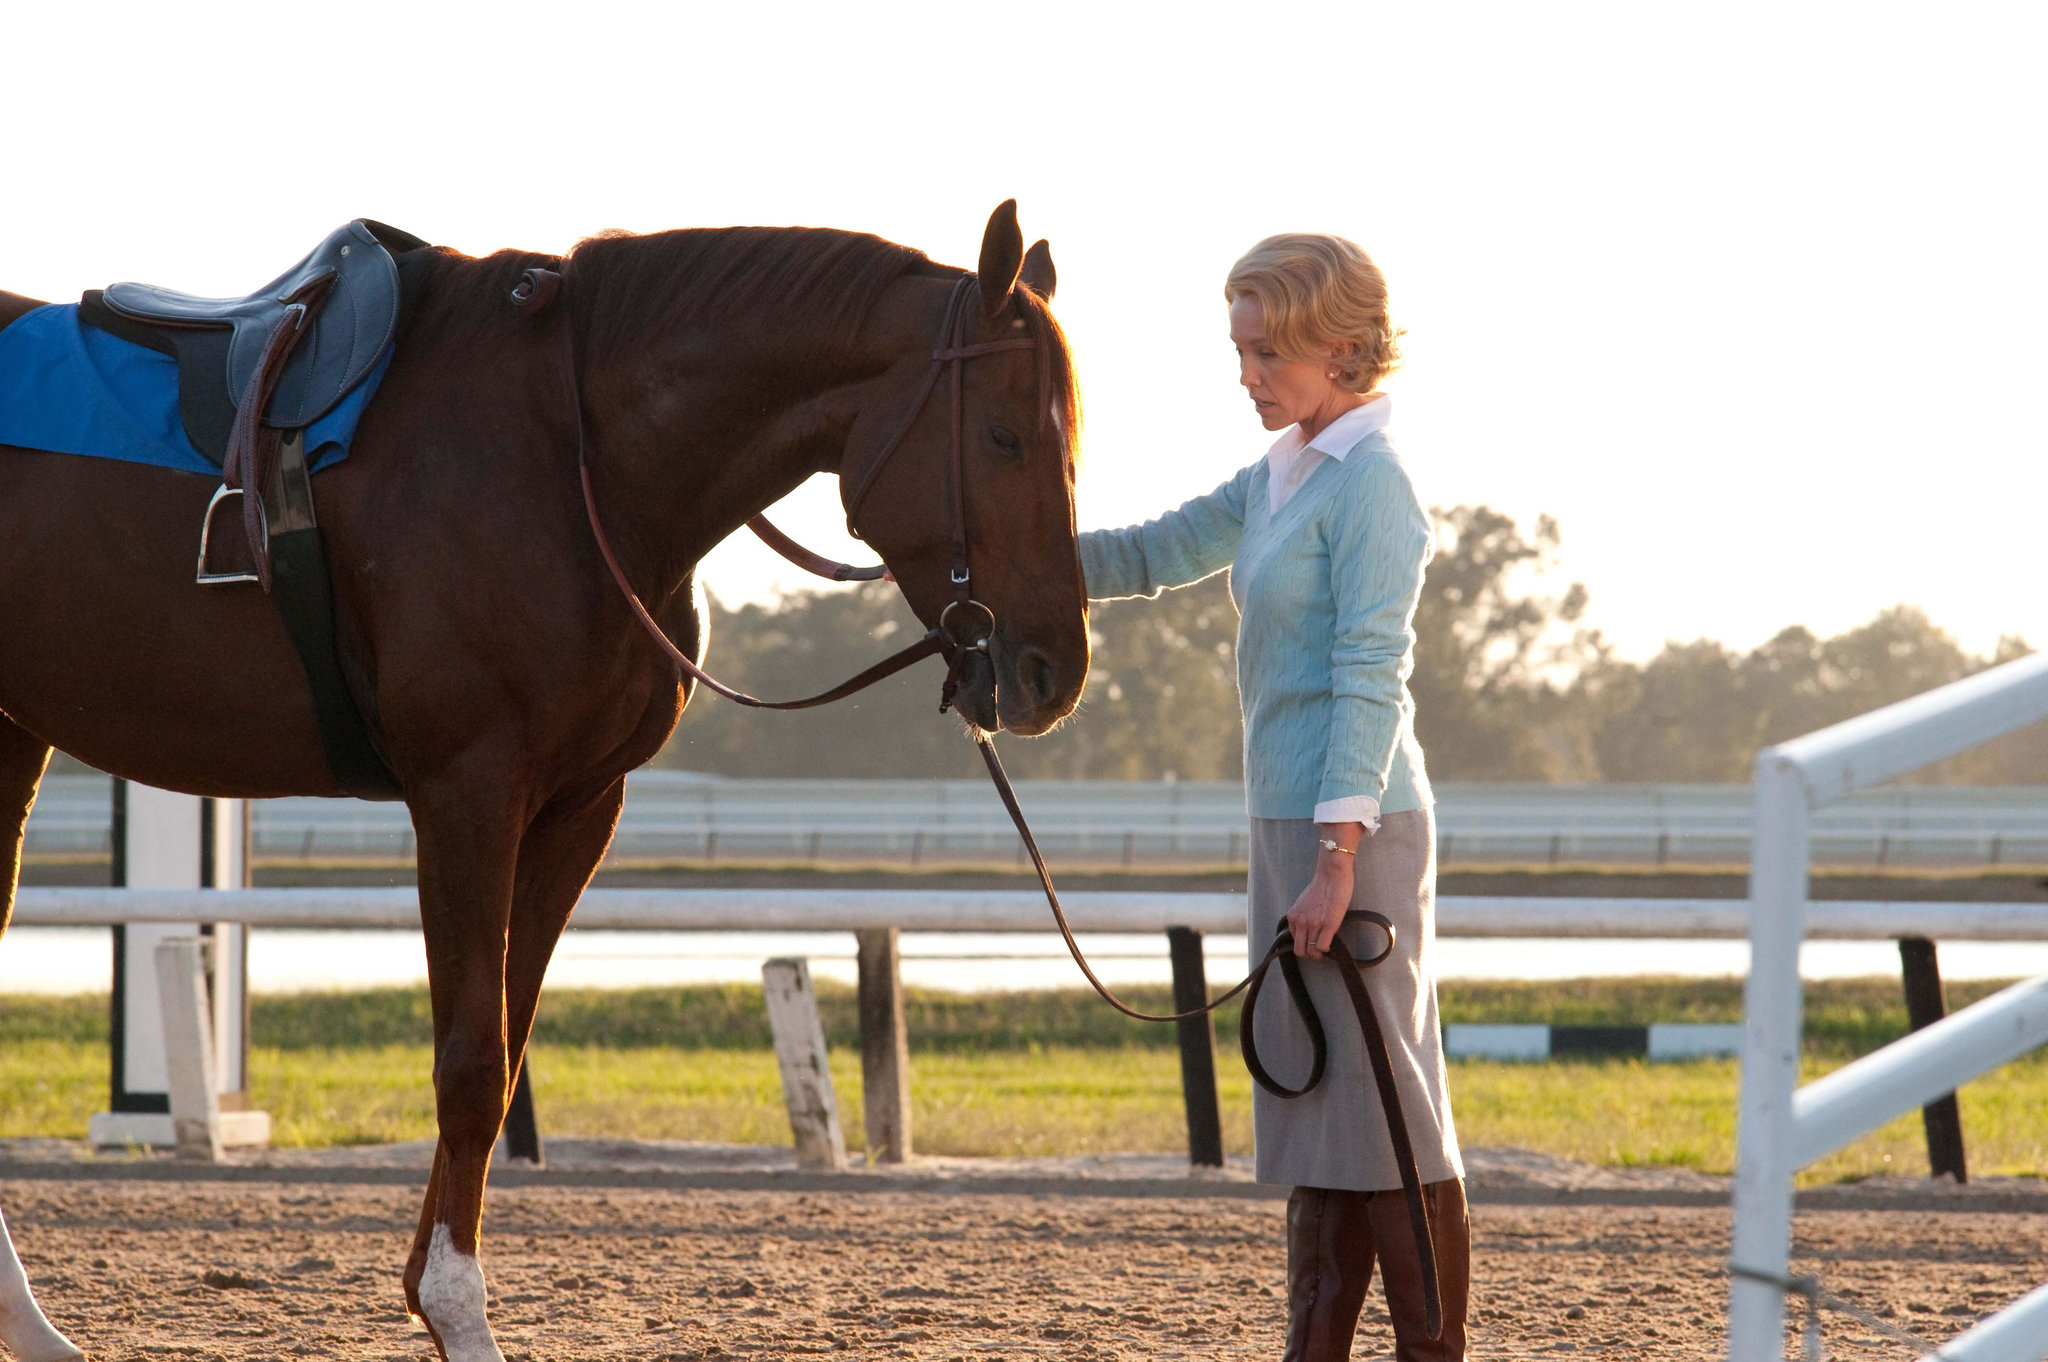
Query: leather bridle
x=965, y=624
x=964, y=629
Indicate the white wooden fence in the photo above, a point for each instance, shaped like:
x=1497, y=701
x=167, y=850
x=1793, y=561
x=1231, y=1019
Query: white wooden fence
x=983, y=910
x=680, y=816
x=875, y=916
x=1784, y=1127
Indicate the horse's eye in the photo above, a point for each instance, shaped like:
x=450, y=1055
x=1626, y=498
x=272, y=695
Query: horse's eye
x=1006, y=441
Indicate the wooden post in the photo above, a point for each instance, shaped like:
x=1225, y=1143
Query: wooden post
x=1925, y=1005
x=188, y=1047
x=1197, y=1048
x=884, y=1047
x=800, y=1053
x=522, y=1127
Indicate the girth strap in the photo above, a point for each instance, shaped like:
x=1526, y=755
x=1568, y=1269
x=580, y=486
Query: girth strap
x=304, y=597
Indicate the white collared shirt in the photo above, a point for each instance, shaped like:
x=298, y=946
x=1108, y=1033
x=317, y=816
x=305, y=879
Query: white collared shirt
x=1292, y=458
x=1288, y=465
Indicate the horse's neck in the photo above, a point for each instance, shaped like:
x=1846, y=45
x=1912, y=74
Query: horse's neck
x=678, y=485
x=696, y=444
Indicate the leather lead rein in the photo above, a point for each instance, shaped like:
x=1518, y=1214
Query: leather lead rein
x=957, y=641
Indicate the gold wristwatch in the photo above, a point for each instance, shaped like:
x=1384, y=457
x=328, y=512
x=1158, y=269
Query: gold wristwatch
x=1328, y=844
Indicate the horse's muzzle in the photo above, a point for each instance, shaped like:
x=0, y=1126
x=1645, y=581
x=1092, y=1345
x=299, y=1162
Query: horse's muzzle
x=1034, y=693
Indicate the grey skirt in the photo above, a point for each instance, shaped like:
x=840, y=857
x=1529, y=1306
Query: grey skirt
x=1337, y=1135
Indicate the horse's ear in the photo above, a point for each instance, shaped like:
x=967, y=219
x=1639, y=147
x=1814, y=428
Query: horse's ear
x=1002, y=255
x=1038, y=272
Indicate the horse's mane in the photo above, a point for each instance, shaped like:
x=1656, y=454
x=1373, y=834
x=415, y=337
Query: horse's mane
x=626, y=288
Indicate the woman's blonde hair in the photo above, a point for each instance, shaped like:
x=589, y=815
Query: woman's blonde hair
x=1321, y=293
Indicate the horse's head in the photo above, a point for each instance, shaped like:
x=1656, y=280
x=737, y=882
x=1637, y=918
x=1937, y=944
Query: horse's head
x=987, y=394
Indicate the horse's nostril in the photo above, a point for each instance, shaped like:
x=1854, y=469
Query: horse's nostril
x=1035, y=674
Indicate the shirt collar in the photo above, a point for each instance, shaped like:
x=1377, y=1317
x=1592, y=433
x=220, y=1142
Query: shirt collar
x=1342, y=435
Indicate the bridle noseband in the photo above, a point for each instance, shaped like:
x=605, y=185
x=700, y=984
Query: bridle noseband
x=965, y=621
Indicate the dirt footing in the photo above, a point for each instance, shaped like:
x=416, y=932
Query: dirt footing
x=242, y=1271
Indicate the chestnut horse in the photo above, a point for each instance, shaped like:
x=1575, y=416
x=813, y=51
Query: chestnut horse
x=704, y=374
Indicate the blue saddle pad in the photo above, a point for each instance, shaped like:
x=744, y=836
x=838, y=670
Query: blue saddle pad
x=74, y=389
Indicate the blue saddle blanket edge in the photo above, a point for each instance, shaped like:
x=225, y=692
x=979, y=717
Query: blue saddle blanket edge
x=71, y=388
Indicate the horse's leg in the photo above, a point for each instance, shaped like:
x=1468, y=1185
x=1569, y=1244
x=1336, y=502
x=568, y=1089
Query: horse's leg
x=443, y=1280
x=23, y=1327
x=556, y=862
x=468, y=847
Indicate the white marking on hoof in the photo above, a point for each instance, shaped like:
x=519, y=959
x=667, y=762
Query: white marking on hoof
x=24, y=1328
x=452, y=1298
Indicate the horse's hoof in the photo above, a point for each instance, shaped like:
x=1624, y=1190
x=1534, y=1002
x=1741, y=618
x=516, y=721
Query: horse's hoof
x=452, y=1290
x=63, y=1351
x=37, y=1340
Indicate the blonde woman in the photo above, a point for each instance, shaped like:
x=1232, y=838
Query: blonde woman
x=1326, y=544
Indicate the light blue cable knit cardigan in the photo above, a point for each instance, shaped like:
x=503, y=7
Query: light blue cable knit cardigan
x=1326, y=593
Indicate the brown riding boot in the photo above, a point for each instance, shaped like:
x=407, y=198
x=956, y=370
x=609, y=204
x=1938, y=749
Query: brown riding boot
x=1329, y=1265
x=1401, y=1269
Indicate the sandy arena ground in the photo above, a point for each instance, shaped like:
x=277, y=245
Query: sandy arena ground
x=137, y=1269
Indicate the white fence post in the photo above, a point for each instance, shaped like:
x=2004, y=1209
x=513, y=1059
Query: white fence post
x=800, y=1054
x=1772, y=1000
x=188, y=1047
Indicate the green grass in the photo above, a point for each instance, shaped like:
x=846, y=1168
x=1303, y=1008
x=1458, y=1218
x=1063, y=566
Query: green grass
x=1032, y=1073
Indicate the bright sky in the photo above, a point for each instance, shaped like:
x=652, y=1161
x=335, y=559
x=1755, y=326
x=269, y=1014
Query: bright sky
x=1751, y=297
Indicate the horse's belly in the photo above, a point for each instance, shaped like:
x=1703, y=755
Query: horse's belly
x=110, y=652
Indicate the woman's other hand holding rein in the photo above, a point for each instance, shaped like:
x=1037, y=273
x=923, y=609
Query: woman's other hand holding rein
x=1319, y=912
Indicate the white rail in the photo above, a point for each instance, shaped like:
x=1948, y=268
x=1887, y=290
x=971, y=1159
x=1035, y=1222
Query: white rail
x=940, y=910
x=1779, y=1132
x=672, y=814
x=1914, y=1070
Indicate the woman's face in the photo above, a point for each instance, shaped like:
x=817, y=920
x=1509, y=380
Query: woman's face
x=1286, y=391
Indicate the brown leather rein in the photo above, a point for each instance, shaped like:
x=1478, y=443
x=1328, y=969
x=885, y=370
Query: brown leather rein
x=959, y=640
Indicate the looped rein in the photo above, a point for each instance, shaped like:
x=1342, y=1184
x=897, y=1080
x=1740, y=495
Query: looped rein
x=1282, y=950
x=1352, y=971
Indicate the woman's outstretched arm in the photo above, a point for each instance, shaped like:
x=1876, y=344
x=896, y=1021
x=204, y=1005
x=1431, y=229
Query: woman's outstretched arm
x=1186, y=544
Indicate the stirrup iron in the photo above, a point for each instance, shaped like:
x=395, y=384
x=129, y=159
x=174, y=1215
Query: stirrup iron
x=206, y=578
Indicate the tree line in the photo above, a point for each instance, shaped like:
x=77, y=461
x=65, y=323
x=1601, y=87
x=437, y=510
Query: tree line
x=1510, y=683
